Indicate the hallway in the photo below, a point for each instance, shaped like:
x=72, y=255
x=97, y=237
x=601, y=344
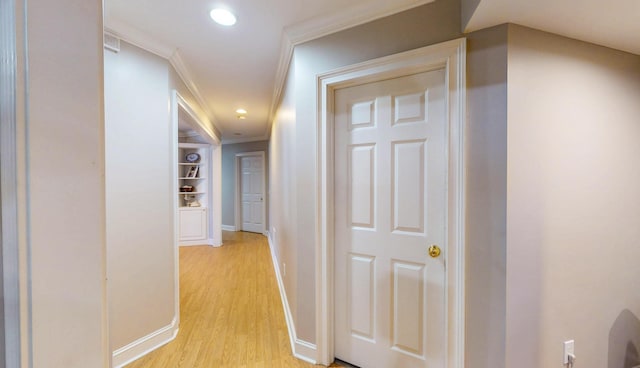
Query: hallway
x=231, y=313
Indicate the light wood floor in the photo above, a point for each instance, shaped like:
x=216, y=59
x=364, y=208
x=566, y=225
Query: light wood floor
x=230, y=310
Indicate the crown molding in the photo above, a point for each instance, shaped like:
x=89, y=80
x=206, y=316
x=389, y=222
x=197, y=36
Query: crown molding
x=286, y=53
x=245, y=140
x=138, y=38
x=346, y=18
x=142, y=40
x=183, y=72
x=315, y=28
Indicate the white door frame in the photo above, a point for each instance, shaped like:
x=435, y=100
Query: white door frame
x=238, y=199
x=13, y=270
x=451, y=56
x=203, y=128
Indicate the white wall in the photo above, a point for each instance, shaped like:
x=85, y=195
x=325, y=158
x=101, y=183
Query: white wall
x=282, y=189
x=140, y=214
x=65, y=189
x=573, y=201
x=422, y=26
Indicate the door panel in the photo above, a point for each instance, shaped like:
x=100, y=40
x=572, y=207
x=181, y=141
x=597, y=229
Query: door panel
x=362, y=287
x=390, y=206
x=408, y=308
x=408, y=173
x=252, y=196
x=361, y=177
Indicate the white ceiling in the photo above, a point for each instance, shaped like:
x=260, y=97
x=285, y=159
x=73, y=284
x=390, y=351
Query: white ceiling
x=236, y=67
x=243, y=66
x=612, y=23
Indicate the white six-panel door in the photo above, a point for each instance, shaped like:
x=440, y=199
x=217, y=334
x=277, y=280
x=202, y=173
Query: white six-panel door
x=390, y=206
x=252, y=193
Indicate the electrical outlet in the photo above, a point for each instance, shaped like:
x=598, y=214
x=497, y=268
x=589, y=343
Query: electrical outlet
x=568, y=352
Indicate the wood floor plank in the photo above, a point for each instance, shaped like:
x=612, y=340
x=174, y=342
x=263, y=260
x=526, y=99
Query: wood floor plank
x=231, y=313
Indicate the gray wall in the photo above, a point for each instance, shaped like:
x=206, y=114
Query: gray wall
x=486, y=191
x=425, y=25
x=556, y=119
x=139, y=145
x=573, y=201
x=229, y=152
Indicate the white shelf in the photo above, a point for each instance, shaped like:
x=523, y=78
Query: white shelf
x=194, y=221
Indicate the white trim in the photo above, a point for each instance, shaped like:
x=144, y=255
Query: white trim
x=158, y=339
x=284, y=62
x=183, y=72
x=140, y=39
x=245, y=140
x=193, y=243
x=238, y=197
x=10, y=36
x=228, y=228
x=201, y=127
x=176, y=100
x=215, y=184
x=145, y=345
x=214, y=220
x=451, y=56
x=293, y=35
x=315, y=28
x=301, y=349
x=347, y=17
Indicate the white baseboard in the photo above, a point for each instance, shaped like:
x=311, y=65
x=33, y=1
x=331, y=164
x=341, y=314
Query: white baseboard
x=191, y=243
x=228, y=228
x=305, y=351
x=145, y=345
x=301, y=349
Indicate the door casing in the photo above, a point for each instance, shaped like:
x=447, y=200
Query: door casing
x=450, y=55
x=15, y=340
x=238, y=197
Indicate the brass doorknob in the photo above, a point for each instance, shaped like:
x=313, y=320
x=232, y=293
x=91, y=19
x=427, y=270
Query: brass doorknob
x=434, y=251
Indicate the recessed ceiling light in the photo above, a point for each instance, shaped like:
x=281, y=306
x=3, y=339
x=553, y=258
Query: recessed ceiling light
x=241, y=111
x=223, y=17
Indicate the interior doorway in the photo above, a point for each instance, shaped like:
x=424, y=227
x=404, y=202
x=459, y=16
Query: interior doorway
x=250, y=206
x=401, y=275
x=197, y=178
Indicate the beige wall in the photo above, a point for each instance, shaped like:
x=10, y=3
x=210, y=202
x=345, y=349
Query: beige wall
x=140, y=216
x=66, y=193
x=467, y=9
x=486, y=186
x=573, y=200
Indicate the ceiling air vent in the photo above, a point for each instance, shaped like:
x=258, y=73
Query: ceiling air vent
x=111, y=42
